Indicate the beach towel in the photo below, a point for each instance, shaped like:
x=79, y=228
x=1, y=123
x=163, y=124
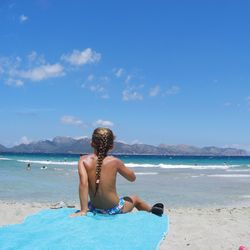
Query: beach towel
x=54, y=229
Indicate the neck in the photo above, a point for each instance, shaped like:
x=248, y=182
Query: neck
x=96, y=153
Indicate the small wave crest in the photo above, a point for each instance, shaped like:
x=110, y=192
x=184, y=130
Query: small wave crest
x=50, y=162
x=173, y=166
x=146, y=173
x=238, y=170
x=4, y=159
x=230, y=175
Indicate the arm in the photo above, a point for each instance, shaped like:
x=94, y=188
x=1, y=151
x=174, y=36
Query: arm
x=126, y=172
x=83, y=188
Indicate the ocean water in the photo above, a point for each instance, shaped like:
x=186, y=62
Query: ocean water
x=176, y=181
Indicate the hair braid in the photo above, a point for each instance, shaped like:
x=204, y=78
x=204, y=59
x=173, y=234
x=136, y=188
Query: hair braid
x=102, y=139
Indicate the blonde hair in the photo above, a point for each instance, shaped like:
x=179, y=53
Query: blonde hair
x=102, y=141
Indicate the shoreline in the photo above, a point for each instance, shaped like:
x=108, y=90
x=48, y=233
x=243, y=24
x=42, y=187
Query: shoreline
x=190, y=228
x=128, y=154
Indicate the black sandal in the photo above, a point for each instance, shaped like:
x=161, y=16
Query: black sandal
x=158, y=209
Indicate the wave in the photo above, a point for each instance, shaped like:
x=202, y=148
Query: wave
x=245, y=196
x=72, y=163
x=146, y=173
x=238, y=170
x=181, y=166
x=144, y=165
x=4, y=159
x=230, y=175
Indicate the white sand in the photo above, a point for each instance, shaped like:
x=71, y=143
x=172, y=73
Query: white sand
x=206, y=228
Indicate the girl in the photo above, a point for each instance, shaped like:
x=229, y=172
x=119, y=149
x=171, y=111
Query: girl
x=97, y=173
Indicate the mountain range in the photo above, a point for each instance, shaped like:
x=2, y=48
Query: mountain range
x=70, y=145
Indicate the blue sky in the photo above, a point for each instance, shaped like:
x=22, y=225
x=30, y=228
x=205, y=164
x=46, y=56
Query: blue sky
x=174, y=72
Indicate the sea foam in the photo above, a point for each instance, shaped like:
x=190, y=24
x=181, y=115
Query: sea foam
x=138, y=165
x=146, y=173
x=230, y=175
x=50, y=162
x=4, y=159
x=176, y=166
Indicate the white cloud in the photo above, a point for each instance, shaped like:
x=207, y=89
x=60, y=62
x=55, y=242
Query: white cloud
x=118, y=72
x=173, y=90
x=98, y=87
x=35, y=68
x=80, y=137
x=154, y=91
x=130, y=94
x=79, y=58
x=32, y=56
x=103, y=123
x=248, y=99
x=23, y=140
x=71, y=120
x=14, y=82
x=23, y=18
x=136, y=141
x=41, y=72
x=90, y=77
x=105, y=96
x=35, y=58
x=128, y=78
x=238, y=146
x=227, y=104
x=7, y=63
x=1, y=70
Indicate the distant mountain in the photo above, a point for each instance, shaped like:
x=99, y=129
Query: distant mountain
x=70, y=145
x=2, y=148
x=205, y=151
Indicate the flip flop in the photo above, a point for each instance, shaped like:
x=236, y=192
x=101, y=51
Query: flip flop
x=242, y=248
x=159, y=205
x=71, y=206
x=157, y=209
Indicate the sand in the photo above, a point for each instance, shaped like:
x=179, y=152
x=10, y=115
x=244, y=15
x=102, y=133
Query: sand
x=190, y=228
x=208, y=228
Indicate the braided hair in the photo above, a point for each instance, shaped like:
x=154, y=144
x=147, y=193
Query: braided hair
x=102, y=139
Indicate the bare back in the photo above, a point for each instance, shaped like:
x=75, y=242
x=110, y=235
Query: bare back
x=106, y=196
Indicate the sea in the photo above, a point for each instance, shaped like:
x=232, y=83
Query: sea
x=177, y=181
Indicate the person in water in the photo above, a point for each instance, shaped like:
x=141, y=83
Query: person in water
x=28, y=167
x=97, y=177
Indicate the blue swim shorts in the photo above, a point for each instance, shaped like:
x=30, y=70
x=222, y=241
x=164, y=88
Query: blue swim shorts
x=111, y=211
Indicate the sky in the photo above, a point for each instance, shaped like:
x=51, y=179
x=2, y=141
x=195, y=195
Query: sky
x=173, y=72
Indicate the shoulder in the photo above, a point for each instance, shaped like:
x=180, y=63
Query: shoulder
x=116, y=161
x=86, y=157
x=85, y=160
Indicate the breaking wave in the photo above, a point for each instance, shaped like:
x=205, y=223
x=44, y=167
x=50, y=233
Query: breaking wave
x=4, y=159
x=181, y=166
x=50, y=162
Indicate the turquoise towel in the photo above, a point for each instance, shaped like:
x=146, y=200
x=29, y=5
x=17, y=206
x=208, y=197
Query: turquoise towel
x=53, y=229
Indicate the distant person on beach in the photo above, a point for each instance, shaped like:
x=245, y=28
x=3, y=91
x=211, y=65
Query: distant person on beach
x=28, y=167
x=97, y=173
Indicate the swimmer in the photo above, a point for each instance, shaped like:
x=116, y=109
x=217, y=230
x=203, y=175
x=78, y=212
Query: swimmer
x=28, y=167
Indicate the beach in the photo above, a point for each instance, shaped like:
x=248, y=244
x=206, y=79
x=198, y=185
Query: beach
x=190, y=228
x=207, y=199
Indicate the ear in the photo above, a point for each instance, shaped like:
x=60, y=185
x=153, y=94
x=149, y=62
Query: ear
x=92, y=144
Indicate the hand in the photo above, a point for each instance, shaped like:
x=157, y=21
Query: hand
x=78, y=213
